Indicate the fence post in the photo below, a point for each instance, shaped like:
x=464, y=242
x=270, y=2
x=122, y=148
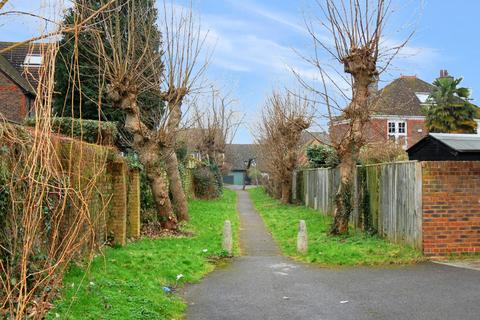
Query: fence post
x=227, y=243
x=302, y=238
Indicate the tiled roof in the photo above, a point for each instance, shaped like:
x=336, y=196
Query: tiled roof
x=236, y=154
x=13, y=73
x=400, y=97
x=16, y=57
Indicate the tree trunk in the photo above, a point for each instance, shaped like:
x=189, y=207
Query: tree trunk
x=349, y=150
x=149, y=155
x=343, y=197
x=168, y=220
x=175, y=182
x=171, y=161
x=286, y=192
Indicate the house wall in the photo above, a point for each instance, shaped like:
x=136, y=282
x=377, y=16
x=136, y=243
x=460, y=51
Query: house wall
x=376, y=130
x=238, y=177
x=13, y=101
x=451, y=207
x=416, y=130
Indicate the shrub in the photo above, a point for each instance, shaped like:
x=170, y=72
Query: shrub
x=206, y=183
x=387, y=151
x=322, y=156
x=92, y=131
x=255, y=175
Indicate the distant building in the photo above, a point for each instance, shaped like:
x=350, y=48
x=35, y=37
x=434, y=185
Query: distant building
x=397, y=113
x=19, y=70
x=446, y=147
x=236, y=160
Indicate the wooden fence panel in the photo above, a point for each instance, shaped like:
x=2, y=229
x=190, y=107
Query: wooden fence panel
x=392, y=190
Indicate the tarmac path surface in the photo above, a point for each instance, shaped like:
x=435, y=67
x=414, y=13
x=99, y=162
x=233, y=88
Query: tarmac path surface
x=262, y=284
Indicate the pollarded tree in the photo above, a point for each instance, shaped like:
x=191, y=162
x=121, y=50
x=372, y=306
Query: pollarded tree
x=183, y=45
x=353, y=37
x=284, y=117
x=449, y=109
x=125, y=41
x=80, y=90
x=218, y=124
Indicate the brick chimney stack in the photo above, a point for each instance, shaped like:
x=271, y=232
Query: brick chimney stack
x=443, y=73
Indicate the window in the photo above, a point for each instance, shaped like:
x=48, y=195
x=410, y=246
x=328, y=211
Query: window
x=397, y=131
x=391, y=127
x=33, y=60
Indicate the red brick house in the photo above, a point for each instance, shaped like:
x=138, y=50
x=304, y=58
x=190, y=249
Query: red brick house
x=397, y=113
x=18, y=79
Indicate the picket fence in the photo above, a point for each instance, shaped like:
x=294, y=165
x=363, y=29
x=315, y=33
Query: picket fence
x=387, y=198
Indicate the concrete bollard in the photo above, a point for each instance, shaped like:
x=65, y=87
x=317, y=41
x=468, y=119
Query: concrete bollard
x=227, y=243
x=302, y=238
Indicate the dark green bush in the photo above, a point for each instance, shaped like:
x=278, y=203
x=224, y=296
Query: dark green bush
x=91, y=131
x=322, y=156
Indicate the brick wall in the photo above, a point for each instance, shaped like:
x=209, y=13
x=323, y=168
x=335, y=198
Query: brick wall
x=416, y=130
x=376, y=130
x=133, y=203
x=13, y=102
x=451, y=207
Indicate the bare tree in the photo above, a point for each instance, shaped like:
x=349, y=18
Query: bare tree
x=218, y=124
x=356, y=29
x=284, y=117
x=127, y=45
x=183, y=43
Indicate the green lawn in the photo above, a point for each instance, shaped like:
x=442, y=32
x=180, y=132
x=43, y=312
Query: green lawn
x=354, y=249
x=126, y=283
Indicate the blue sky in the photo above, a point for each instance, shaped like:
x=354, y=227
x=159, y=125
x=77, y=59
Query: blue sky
x=255, y=43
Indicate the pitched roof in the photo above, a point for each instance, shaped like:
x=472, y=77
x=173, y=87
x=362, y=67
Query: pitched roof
x=236, y=154
x=10, y=71
x=459, y=142
x=309, y=136
x=16, y=57
x=401, y=97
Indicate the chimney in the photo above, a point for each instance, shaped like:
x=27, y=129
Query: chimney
x=443, y=73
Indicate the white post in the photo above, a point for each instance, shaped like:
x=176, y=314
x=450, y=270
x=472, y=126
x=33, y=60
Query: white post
x=227, y=243
x=302, y=238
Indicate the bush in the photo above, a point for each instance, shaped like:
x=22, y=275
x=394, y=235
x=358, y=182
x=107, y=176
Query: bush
x=255, y=175
x=322, y=156
x=92, y=131
x=206, y=182
x=382, y=152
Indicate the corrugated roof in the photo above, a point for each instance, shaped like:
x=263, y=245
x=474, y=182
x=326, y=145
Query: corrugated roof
x=459, y=142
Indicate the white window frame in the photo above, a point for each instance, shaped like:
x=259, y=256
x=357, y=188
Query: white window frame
x=396, y=134
x=33, y=60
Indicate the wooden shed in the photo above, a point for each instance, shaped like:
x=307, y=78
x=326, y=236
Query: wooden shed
x=446, y=147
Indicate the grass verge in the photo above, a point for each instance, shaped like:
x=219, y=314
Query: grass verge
x=352, y=249
x=127, y=282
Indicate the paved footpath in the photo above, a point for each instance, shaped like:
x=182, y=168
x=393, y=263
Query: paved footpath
x=262, y=284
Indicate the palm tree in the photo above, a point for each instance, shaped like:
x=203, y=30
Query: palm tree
x=448, y=109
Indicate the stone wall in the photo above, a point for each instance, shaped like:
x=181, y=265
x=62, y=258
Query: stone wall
x=451, y=207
